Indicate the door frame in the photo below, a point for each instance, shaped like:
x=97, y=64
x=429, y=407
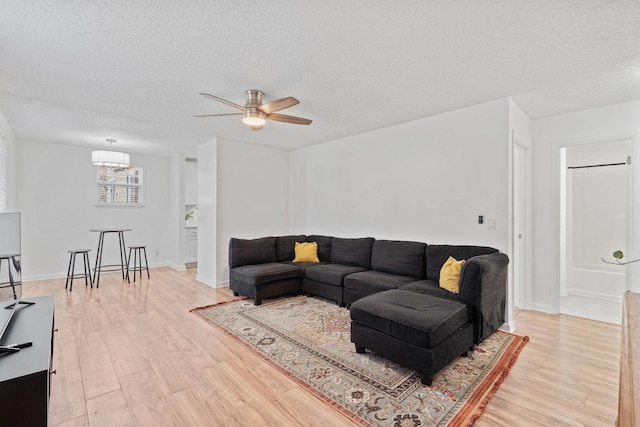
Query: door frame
x=556, y=195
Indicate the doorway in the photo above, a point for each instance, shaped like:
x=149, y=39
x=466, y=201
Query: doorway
x=594, y=212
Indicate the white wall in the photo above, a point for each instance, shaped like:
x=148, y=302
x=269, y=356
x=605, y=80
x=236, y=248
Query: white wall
x=176, y=231
x=426, y=180
x=12, y=161
x=252, y=196
x=615, y=122
x=56, y=194
x=207, y=212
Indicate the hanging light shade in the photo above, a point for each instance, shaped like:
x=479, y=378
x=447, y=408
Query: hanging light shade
x=114, y=159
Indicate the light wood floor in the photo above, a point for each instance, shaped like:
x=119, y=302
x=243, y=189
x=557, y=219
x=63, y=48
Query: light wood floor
x=134, y=355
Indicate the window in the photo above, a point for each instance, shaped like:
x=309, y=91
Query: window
x=120, y=187
x=3, y=174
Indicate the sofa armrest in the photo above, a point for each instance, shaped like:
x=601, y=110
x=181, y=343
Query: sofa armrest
x=483, y=285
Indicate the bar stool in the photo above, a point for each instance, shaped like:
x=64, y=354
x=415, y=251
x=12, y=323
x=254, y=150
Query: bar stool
x=12, y=260
x=72, y=266
x=137, y=253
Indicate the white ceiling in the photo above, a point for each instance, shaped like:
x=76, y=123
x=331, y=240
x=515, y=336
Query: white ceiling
x=79, y=71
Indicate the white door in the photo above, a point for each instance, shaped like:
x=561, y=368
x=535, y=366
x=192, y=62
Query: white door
x=519, y=258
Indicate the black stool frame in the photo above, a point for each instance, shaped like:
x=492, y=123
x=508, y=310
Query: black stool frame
x=137, y=255
x=72, y=267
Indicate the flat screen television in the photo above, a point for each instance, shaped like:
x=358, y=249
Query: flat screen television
x=10, y=275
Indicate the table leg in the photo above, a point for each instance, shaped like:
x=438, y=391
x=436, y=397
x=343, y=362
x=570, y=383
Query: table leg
x=88, y=267
x=146, y=262
x=68, y=271
x=124, y=262
x=73, y=267
x=96, y=270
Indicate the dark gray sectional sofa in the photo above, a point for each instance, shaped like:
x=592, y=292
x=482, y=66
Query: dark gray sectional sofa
x=350, y=269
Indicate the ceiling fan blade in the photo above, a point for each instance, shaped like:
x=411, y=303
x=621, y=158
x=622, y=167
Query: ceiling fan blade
x=219, y=115
x=256, y=127
x=224, y=101
x=278, y=104
x=288, y=119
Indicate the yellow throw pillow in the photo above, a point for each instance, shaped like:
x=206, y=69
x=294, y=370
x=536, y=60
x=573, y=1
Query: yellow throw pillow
x=306, y=252
x=450, y=274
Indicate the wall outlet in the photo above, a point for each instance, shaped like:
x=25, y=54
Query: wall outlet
x=491, y=224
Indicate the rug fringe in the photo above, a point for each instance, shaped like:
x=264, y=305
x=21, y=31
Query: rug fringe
x=204, y=307
x=488, y=393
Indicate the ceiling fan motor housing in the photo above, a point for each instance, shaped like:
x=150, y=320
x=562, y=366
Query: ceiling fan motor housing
x=254, y=98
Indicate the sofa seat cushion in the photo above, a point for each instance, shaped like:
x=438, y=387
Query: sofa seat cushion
x=374, y=281
x=259, y=274
x=421, y=320
x=302, y=266
x=429, y=287
x=332, y=274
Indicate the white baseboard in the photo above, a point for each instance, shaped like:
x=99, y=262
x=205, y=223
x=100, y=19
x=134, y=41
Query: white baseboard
x=177, y=267
x=592, y=294
x=35, y=278
x=545, y=308
x=63, y=274
x=508, y=327
x=202, y=279
x=207, y=281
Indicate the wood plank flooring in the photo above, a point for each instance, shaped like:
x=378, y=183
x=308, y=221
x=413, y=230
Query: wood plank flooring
x=133, y=355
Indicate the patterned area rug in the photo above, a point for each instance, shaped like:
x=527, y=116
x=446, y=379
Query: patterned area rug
x=309, y=340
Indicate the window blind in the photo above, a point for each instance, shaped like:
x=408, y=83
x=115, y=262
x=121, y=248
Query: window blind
x=120, y=187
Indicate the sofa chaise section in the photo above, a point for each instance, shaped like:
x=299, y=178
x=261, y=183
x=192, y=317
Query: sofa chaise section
x=255, y=272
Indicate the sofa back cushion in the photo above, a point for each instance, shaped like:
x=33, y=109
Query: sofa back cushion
x=398, y=257
x=324, y=246
x=356, y=252
x=254, y=251
x=285, y=245
x=437, y=255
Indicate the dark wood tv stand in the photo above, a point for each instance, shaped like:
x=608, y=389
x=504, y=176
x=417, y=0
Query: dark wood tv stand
x=24, y=375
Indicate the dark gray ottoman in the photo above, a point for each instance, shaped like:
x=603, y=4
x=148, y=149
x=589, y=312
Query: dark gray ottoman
x=418, y=331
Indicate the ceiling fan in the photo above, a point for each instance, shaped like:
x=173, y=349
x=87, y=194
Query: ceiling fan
x=255, y=113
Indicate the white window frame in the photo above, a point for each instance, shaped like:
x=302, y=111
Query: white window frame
x=117, y=186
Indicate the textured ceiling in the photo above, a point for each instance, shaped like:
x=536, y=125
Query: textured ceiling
x=80, y=71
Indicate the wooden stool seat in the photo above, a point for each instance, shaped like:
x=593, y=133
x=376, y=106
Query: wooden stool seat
x=72, y=265
x=137, y=255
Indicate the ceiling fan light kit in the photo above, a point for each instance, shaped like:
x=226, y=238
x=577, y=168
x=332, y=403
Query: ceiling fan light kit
x=113, y=159
x=255, y=114
x=254, y=117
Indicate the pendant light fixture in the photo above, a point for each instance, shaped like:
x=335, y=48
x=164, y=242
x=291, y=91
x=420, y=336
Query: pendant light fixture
x=113, y=159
